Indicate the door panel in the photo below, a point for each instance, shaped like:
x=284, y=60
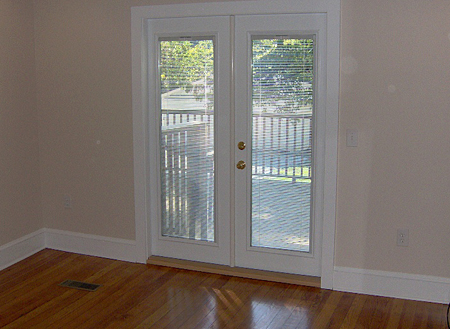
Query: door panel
x=189, y=111
x=277, y=102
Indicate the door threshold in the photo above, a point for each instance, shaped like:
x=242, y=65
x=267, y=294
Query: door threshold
x=302, y=280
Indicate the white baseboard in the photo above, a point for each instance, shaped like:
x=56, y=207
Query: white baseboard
x=19, y=249
x=92, y=245
x=392, y=284
x=86, y=244
x=379, y=283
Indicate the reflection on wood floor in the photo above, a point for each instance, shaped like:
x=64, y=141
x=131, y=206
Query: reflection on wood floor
x=142, y=296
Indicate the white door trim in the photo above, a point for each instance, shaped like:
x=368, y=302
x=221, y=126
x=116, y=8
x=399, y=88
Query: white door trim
x=139, y=15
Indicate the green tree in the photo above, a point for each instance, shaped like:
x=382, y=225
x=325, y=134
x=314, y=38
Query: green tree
x=282, y=71
x=188, y=64
x=283, y=74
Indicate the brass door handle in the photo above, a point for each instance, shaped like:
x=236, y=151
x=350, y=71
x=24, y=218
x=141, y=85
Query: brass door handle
x=241, y=145
x=241, y=165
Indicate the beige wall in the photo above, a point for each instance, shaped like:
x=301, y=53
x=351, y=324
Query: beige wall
x=20, y=212
x=395, y=78
x=84, y=105
x=394, y=90
x=83, y=60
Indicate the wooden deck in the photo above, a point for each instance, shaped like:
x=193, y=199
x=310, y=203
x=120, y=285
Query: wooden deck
x=142, y=296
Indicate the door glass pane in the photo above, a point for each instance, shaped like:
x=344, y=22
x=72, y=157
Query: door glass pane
x=186, y=71
x=283, y=79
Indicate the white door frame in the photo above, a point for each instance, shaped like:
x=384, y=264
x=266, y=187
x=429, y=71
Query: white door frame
x=142, y=158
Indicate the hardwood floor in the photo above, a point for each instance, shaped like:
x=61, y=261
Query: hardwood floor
x=148, y=296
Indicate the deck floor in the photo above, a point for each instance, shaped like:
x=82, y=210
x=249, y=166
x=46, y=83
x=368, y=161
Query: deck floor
x=281, y=214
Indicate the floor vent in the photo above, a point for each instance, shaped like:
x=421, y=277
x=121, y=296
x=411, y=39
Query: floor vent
x=80, y=285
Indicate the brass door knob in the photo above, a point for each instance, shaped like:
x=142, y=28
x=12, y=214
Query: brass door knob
x=241, y=145
x=241, y=165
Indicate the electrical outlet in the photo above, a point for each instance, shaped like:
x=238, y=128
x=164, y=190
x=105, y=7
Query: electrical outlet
x=352, y=137
x=402, y=237
x=67, y=201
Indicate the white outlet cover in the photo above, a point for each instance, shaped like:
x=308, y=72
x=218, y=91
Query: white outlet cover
x=352, y=137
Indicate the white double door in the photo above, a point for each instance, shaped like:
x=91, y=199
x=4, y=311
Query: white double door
x=235, y=107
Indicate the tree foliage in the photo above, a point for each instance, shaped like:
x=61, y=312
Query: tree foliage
x=283, y=74
x=188, y=64
x=282, y=71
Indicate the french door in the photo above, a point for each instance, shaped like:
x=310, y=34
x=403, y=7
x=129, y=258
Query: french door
x=236, y=105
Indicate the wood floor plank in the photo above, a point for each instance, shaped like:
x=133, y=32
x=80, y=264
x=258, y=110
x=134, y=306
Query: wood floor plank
x=300, y=309
x=222, y=301
x=198, y=299
x=395, y=313
x=434, y=313
x=31, y=293
x=238, y=297
x=182, y=290
x=80, y=300
x=227, y=302
x=91, y=304
x=175, y=303
x=325, y=309
x=355, y=309
x=202, y=310
x=218, y=309
x=33, y=264
x=56, y=308
x=328, y=308
x=278, y=310
x=144, y=296
x=134, y=289
x=17, y=274
x=156, y=299
x=264, y=308
x=341, y=310
x=245, y=316
x=380, y=316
